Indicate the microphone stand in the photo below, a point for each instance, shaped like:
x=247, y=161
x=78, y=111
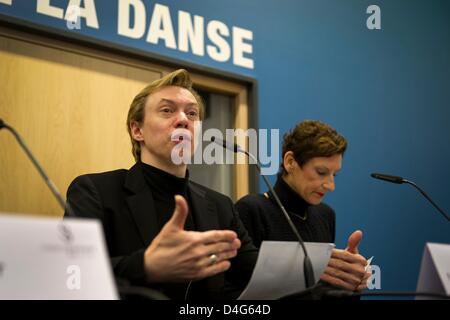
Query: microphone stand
x=428, y=198
x=39, y=168
x=125, y=290
x=307, y=264
x=400, y=180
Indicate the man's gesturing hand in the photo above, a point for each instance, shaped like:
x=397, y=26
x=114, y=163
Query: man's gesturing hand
x=177, y=255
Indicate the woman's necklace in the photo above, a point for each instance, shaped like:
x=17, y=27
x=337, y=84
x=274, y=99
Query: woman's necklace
x=304, y=217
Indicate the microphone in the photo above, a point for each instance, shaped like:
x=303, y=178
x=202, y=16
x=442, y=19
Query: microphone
x=307, y=265
x=228, y=145
x=41, y=171
x=400, y=180
x=388, y=178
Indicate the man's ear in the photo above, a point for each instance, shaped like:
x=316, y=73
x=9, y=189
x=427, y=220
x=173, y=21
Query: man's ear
x=136, y=131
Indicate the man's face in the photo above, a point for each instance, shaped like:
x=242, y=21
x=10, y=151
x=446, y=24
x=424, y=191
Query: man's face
x=170, y=116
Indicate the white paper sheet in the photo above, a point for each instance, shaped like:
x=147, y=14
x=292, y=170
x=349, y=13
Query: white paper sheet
x=279, y=269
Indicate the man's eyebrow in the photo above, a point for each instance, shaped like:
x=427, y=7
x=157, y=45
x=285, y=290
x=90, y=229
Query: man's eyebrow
x=164, y=100
x=169, y=101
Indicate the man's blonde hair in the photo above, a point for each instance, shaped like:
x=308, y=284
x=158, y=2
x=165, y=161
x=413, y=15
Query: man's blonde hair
x=136, y=113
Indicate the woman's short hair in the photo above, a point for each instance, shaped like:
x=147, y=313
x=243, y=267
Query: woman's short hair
x=136, y=112
x=310, y=139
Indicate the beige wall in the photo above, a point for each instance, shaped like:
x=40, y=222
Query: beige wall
x=71, y=109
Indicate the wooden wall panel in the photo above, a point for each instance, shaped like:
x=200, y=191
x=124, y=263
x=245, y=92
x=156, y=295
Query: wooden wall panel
x=71, y=110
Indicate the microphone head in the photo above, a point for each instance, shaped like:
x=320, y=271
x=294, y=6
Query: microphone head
x=388, y=178
x=227, y=145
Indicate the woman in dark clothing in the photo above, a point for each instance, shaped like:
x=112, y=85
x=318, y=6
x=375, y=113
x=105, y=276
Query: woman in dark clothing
x=264, y=220
x=311, y=157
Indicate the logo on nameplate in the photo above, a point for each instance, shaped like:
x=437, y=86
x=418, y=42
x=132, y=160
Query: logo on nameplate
x=65, y=233
x=2, y=268
x=68, y=244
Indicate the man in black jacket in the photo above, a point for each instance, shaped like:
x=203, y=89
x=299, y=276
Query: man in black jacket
x=162, y=230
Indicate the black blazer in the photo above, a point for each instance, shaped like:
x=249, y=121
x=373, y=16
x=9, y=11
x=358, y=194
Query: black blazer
x=123, y=202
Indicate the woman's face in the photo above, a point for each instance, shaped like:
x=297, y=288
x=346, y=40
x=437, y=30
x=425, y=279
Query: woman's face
x=315, y=178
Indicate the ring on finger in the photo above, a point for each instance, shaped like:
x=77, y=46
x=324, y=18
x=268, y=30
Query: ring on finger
x=212, y=259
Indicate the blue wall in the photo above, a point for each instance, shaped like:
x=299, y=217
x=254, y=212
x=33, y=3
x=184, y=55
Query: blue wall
x=387, y=91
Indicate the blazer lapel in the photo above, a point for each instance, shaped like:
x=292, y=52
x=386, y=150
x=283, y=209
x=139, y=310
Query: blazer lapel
x=141, y=205
x=204, y=211
x=206, y=218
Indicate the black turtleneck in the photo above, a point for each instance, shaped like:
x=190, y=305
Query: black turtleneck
x=164, y=186
x=264, y=220
x=292, y=201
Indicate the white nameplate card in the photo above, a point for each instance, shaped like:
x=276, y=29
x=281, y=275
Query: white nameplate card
x=51, y=258
x=435, y=269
